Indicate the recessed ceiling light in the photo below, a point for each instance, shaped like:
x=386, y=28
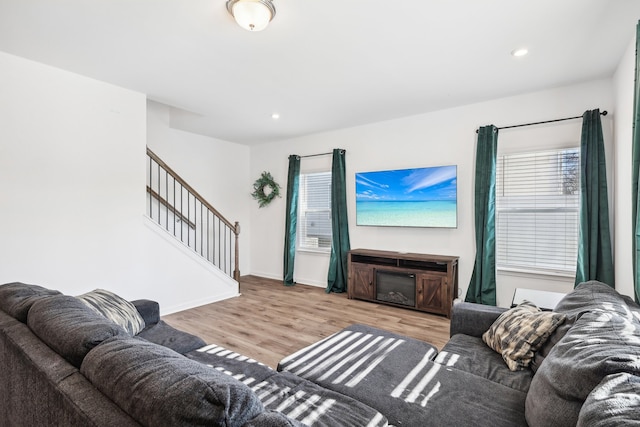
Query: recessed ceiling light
x=275, y=116
x=519, y=52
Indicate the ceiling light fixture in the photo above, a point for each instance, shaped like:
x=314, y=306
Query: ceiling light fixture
x=252, y=15
x=519, y=52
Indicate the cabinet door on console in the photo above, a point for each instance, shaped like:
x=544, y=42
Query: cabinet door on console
x=431, y=290
x=362, y=281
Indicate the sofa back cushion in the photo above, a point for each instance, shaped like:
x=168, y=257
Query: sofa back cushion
x=158, y=386
x=69, y=327
x=614, y=402
x=586, y=297
x=17, y=298
x=600, y=343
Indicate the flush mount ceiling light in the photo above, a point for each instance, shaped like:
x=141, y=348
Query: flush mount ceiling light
x=519, y=52
x=252, y=15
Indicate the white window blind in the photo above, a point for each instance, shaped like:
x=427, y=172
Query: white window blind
x=314, y=210
x=537, y=211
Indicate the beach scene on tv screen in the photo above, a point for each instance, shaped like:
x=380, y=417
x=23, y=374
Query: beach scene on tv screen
x=421, y=197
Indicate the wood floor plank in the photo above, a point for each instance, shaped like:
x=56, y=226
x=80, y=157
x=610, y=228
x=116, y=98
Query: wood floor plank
x=269, y=321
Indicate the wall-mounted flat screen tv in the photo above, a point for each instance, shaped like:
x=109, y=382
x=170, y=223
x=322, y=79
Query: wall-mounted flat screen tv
x=422, y=197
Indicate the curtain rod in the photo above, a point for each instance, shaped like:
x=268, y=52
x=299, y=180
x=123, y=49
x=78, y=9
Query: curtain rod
x=342, y=150
x=603, y=113
x=316, y=155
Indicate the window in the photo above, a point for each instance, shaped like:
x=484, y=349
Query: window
x=314, y=210
x=537, y=211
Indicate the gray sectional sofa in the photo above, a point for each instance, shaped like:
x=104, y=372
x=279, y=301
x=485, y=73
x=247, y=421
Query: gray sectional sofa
x=586, y=373
x=66, y=363
x=90, y=361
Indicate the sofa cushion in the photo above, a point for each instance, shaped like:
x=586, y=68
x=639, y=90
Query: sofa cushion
x=586, y=297
x=396, y=376
x=600, y=343
x=149, y=310
x=17, y=298
x=114, y=308
x=272, y=419
x=313, y=405
x=166, y=335
x=158, y=386
x=471, y=354
x=241, y=367
x=295, y=397
x=69, y=327
x=432, y=395
x=473, y=319
x=614, y=402
x=519, y=332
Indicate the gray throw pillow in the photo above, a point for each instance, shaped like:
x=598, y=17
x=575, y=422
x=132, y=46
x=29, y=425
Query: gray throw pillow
x=17, y=298
x=114, y=308
x=519, y=332
x=69, y=327
x=159, y=387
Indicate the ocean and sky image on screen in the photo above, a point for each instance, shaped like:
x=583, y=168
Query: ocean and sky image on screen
x=423, y=197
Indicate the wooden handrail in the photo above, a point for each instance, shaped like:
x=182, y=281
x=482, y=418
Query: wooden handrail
x=182, y=182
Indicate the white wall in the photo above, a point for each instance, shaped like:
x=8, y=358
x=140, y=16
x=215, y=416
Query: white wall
x=623, y=81
x=70, y=147
x=72, y=171
x=440, y=138
x=217, y=169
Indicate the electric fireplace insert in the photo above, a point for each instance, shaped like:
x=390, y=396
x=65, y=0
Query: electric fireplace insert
x=396, y=287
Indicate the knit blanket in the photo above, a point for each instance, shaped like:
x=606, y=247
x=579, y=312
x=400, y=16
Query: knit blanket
x=299, y=399
x=397, y=376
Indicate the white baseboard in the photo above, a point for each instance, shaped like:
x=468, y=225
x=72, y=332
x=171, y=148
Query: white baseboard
x=197, y=303
x=298, y=280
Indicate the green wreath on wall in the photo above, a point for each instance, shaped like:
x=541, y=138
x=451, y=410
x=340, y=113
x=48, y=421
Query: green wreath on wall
x=265, y=189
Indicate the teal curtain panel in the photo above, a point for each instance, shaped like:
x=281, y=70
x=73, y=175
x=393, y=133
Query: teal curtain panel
x=340, y=245
x=482, y=287
x=595, y=261
x=291, y=220
x=636, y=173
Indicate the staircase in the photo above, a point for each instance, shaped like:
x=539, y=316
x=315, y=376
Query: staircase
x=181, y=211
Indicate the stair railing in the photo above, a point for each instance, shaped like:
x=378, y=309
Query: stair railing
x=185, y=214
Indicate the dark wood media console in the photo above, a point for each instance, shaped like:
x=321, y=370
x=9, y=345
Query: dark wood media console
x=422, y=282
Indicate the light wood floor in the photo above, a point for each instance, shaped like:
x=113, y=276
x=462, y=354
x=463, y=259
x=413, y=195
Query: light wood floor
x=269, y=321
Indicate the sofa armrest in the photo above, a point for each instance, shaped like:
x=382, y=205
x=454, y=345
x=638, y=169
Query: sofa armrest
x=149, y=310
x=473, y=319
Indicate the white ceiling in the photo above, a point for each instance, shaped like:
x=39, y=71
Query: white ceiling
x=322, y=64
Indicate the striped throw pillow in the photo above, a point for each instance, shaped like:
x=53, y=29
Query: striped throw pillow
x=519, y=332
x=114, y=308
